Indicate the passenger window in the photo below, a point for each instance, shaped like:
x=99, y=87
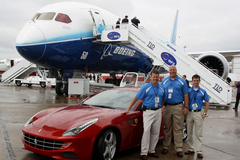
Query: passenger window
x=63, y=18
x=46, y=16
x=103, y=22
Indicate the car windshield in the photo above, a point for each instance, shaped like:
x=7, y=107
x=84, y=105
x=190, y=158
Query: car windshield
x=116, y=99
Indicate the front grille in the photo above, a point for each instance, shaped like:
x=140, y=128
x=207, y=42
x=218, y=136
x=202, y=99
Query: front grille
x=41, y=143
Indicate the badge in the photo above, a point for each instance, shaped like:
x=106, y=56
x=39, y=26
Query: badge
x=136, y=120
x=156, y=99
x=169, y=96
x=194, y=106
x=170, y=91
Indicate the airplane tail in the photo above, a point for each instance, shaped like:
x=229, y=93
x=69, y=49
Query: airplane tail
x=174, y=31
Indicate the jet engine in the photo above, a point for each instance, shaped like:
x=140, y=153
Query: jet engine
x=216, y=62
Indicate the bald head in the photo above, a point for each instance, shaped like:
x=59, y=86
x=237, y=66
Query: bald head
x=172, y=67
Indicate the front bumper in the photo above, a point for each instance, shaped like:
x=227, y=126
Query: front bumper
x=63, y=147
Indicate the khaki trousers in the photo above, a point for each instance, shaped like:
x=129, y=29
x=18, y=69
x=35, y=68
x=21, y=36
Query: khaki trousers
x=151, y=129
x=195, y=119
x=173, y=120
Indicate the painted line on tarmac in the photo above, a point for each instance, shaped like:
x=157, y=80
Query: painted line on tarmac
x=222, y=151
x=5, y=135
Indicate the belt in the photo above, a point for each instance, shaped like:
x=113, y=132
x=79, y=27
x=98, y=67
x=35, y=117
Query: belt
x=154, y=109
x=195, y=110
x=173, y=104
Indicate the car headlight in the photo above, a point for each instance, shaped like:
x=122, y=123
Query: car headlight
x=77, y=130
x=30, y=120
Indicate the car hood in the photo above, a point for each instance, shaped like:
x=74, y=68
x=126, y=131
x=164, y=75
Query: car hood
x=72, y=116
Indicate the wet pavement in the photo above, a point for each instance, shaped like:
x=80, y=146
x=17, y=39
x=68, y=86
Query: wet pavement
x=221, y=132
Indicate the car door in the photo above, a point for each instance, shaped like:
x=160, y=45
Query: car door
x=132, y=129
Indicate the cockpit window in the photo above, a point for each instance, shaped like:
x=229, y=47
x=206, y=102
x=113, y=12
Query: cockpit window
x=63, y=18
x=46, y=16
x=43, y=16
x=35, y=16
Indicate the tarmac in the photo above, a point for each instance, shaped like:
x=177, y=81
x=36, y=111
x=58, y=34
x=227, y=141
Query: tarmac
x=221, y=131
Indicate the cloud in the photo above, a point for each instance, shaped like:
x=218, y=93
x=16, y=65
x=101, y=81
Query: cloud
x=202, y=25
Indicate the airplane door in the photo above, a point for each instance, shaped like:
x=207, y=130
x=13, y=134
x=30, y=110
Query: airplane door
x=99, y=24
x=12, y=63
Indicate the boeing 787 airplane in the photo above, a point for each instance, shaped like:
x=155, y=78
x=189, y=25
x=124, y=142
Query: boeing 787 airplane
x=73, y=37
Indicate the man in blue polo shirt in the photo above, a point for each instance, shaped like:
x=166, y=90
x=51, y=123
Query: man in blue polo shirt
x=176, y=91
x=194, y=117
x=152, y=95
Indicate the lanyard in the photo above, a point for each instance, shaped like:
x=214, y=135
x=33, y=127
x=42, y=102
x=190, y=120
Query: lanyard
x=172, y=82
x=195, y=94
x=154, y=90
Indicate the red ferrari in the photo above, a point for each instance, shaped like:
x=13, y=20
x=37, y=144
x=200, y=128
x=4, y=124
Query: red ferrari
x=94, y=129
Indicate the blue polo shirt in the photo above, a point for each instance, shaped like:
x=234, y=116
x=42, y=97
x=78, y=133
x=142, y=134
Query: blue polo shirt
x=197, y=97
x=148, y=92
x=179, y=88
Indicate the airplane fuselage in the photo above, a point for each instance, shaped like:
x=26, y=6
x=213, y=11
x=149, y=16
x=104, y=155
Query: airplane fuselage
x=6, y=64
x=61, y=36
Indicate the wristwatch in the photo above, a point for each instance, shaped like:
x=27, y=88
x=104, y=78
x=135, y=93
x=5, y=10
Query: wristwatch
x=205, y=113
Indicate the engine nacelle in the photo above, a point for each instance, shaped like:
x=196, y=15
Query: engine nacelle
x=216, y=62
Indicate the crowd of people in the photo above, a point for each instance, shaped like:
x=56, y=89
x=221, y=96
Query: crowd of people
x=125, y=20
x=95, y=77
x=178, y=100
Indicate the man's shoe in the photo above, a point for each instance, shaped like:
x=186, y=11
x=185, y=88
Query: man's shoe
x=153, y=155
x=180, y=154
x=143, y=157
x=199, y=155
x=164, y=151
x=189, y=152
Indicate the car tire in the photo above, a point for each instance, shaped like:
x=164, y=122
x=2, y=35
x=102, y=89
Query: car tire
x=106, y=146
x=184, y=136
x=184, y=131
x=18, y=83
x=107, y=80
x=43, y=84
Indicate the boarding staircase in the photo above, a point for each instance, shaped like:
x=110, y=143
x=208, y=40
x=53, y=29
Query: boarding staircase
x=19, y=71
x=166, y=54
x=158, y=68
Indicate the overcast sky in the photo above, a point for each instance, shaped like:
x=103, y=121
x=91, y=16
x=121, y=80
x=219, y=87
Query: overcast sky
x=203, y=25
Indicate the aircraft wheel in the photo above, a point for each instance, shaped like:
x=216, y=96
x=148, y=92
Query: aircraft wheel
x=65, y=89
x=29, y=85
x=107, y=145
x=18, y=83
x=58, y=88
x=43, y=84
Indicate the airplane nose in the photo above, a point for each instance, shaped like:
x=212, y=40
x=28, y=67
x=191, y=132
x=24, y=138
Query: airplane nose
x=31, y=43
